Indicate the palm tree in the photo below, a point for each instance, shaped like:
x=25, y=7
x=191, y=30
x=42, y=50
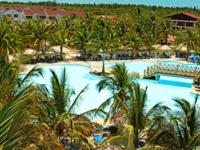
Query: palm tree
x=23, y=107
x=10, y=42
x=134, y=41
x=81, y=37
x=130, y=100
x=166, y=28
x=102, y=39
x=178, y=128
x=190, y=38
x=151, y=23
x=64, y=119
x=38, y=31
x=149, y=40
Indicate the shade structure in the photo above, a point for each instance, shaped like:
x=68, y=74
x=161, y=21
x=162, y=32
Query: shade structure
x=57, y=49
x=165, y=48
x=30, y=51
x=11, y=58
x=156, y=46
x=51, y=51
x=98, y=138
x=182, y=47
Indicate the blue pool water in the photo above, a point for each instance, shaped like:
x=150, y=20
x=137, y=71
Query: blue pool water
x=141, y=66
x=163, y=90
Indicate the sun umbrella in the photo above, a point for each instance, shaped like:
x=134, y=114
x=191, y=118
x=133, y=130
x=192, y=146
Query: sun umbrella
x=98, y=138
x=30, y=51
x=165, y=47
x=11, y=58
x=156, y=46
x=57, y=49
x=182, y=47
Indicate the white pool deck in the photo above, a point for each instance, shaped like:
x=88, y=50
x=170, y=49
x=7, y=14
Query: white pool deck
x=96, y=66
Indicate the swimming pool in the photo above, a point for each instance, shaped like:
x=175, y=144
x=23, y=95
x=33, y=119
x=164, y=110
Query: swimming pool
x=141, y=66
x=163, y=90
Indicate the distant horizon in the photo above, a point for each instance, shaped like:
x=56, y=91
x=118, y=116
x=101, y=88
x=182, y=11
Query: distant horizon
x=168, y=3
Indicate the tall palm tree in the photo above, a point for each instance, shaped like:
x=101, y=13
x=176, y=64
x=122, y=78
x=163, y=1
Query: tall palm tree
x=81, y=37
x=165, y=29
x=23, y=107
x=102, y=39
x=179, y=128
x=130, y=100
x=38, y=31
x=149, y=40
x=134, y=41
x=64, y=119
x=190, y=38
x=10, y=41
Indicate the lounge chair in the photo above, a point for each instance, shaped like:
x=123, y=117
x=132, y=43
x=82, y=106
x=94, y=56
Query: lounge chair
x=123, y=57
x=153, y=55
x=145, y=56
x=138, y=56
x=54, y=59
x=166, y=55
x=191, y=58
x=99, y=57
x=196, y=58
x=118, y=56
x=176, y=54
x=87, y=57
x=114, y=57
x=127, y=56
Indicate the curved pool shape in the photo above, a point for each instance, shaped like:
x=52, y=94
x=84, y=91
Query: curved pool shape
x=163, y=90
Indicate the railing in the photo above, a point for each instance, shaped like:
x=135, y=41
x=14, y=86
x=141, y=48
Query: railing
x=182, y=70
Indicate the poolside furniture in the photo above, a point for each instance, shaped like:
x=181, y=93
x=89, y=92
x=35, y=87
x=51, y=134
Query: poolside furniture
x=191, y=58
x=114, y=57
x=145, y=56
x=127, y=56
x=176, y=54
x=138, y=56
x=153, y=55
x=98, y=138
x=166, y=55
x=54, y=59
x=99, y=57
x=118, y=56
x=196, y=58
x=123, y=56
x=87, y=57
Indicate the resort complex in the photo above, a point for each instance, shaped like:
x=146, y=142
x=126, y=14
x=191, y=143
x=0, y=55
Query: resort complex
x=20, y=14
x=83, y=80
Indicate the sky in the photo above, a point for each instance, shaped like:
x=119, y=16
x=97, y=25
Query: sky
x=171, y=3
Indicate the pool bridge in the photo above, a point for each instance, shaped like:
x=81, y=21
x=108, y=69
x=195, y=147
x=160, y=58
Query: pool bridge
x=173, y=69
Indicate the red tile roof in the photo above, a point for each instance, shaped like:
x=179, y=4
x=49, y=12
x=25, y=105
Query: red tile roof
x=32, y=11
x=52, y=12
x=191, y=15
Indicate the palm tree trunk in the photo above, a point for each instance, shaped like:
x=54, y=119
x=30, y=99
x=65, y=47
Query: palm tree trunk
x=166, y=38
x=149, y=51
x=61, y=50
x=103, y=67
x=38, y=49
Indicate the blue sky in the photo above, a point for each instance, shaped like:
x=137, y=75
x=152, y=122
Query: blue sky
x=173, y=3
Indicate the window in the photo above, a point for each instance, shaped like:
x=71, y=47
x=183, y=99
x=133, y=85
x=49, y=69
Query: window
x=16, y=15
x=58, y=15
x=35, y=15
